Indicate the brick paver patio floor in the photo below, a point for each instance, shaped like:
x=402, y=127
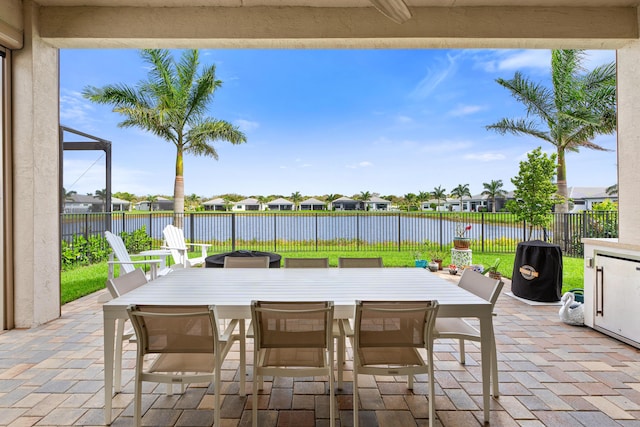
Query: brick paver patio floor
x=551, y=374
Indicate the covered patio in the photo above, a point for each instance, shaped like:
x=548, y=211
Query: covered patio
x=551, y=374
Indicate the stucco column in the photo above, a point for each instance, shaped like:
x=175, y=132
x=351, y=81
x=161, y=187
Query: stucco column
x=36, y=246
x=629, y=142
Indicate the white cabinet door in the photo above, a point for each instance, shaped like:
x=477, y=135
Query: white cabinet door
x=617, y=297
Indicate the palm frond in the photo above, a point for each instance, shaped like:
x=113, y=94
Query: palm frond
x=537, y=99
x=519, y=127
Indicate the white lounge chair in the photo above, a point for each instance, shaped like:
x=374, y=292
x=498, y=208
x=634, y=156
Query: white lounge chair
x=175, y=242
x=119, y=251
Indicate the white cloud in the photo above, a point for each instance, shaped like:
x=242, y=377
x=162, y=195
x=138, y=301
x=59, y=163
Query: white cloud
x=435, y=76
x=465, y=110
x=247, y=125
x=514, y=60
x=363, y=164
x=400, y=119
x=485, y=157
x=74, y=109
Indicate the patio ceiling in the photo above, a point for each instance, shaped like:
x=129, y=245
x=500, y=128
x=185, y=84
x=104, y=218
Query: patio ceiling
x=343, y=3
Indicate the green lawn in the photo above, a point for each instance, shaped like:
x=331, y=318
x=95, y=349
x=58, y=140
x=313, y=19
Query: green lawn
x=85, y=280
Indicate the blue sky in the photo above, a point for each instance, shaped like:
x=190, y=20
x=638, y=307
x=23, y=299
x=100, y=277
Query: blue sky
x=327, y=121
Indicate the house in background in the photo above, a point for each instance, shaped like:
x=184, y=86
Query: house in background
x=217, y=204
x=345, y=204
x=280, y=204
x=583, y=198
x=247, y=205
x=160, y=204
x=78, y=203
x=312, y=204
x=375, y=203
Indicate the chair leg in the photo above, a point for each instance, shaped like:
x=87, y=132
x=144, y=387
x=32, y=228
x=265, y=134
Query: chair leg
x=254, y=400
x=332, y=395
x=355, y=396
x=462, y=358
x=410, y=382
x=216, y=397
x=494, y=368
x=117, y=380
x=432, y=404
x=137, y=400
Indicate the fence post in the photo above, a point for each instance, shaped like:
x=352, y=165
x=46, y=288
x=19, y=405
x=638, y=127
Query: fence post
x=482, y=231
x=441, y=230
x=399, y=233
x=233, y=232
x=192, y=234
x=358, y=230
x=86, y=227
x=275, y=234
x=316, y=231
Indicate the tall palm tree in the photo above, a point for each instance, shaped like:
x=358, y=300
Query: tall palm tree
x=439, y=193
x=460, y=191
x=364, y=197
x=612, y=190
x=172, y=105
x=101, y=194
x=296, y=198
x=423, y=196
x=493, y=189
x=571, y=114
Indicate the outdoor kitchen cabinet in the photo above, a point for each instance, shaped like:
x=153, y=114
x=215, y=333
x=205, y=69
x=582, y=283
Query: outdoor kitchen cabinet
x=612, y=293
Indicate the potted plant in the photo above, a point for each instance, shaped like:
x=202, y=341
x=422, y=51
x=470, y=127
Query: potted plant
x=433, y=266
x=461, y=239
x=453, y=269
x=418, y=260
x=436, y=255
x=492, y=271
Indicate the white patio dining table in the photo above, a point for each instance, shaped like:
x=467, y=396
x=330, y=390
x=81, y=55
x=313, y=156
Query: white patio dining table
x=232, y=290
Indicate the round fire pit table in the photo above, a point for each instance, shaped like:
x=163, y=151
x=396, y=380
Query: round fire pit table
x=217, y=260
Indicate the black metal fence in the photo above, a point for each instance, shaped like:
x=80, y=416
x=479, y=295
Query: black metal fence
x=341, y=231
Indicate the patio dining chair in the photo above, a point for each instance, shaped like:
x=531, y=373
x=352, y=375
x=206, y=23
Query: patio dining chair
x=246, y=262
x=360, y=262
x=460, y=329
x=292, y=339
x=119, y=286
x=387, y=339
x=119, y=250
x=306, y=263
x=175, y=242
x=187, y=344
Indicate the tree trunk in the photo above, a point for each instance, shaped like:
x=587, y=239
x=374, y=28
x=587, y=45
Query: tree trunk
x=178, y=193
x=559, y=235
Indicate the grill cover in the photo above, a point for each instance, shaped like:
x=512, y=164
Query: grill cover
x=217, y=261
x=537, y=271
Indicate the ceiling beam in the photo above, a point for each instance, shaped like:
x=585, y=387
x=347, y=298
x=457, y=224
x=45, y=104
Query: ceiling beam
x=291, y=27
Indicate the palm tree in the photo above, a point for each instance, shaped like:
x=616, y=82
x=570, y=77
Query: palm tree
x=493, y=189
x=151, y=199
x=571, y=115
x=193, y=201
x=612, y=190
x=172, y=104
x=296, y=198
x=439, y=193
x=422, y=197
x=364, y=197
x=329, y=198
x=410, y=200
x=68, y=195
x=460, y=191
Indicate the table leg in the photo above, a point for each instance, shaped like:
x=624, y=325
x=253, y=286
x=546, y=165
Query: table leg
x=486, y=331
x=243, y=356
x=109, y=335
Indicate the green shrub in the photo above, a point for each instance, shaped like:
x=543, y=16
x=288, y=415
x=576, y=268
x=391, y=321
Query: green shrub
x=137, y=241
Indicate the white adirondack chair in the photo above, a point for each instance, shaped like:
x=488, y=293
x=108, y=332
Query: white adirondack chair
x=119, y=251
x=174, y=238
